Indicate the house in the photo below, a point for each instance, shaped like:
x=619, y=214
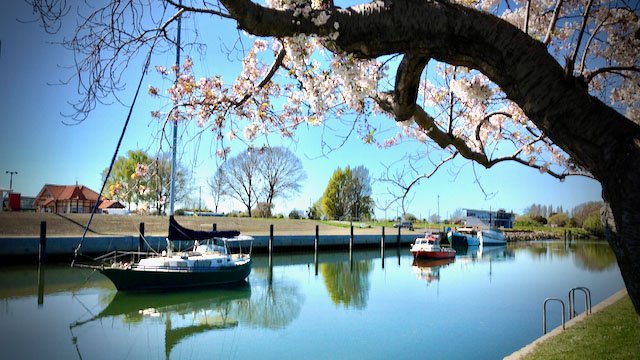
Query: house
x=65, y=199
x=498, y=218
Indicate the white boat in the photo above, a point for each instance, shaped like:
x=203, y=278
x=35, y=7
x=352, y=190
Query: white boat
x=491, y=237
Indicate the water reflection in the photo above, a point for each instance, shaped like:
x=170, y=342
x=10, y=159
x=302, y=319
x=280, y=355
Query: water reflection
x=429, y=270
x=595, y=257
x=184, y=314
x=293, y=315
x=273, y=305
x=348, y=283
x=484, y=253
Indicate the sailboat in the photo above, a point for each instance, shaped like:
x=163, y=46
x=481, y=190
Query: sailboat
x=210, y=262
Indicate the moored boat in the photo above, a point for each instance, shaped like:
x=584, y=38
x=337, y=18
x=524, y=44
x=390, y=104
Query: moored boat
x=463, y=237
x=210, y=263
x=491, y=237
x=429, y=247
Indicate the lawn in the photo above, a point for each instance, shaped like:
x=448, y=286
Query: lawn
x=612, y=333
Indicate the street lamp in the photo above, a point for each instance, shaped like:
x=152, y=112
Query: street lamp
x=11, y=173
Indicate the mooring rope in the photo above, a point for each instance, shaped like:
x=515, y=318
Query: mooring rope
x=115, y=154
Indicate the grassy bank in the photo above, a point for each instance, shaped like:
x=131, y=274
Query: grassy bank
x=612, y=333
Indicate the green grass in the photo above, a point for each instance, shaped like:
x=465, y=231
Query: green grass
x=613, y=333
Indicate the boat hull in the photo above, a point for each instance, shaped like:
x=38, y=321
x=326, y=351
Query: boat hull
x=137, y=280
x=424, y=254
x=491, y=238
x=457, y=239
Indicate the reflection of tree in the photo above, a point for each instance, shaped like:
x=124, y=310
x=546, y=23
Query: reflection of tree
x=272, y=306
x=347, y=285
x=595, y=256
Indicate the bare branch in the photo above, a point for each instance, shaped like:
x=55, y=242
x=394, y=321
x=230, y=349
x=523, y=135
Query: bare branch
x=552, y=23
x=611, y=69
x=526, y=17
x=572, y=60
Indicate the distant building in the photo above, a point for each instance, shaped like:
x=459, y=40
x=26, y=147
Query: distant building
x=70, y=199
x=498, y=218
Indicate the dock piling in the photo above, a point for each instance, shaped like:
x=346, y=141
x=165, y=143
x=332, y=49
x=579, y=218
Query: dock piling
x=215, y=227
x=316, y=242
x=382, y=247
x=141, y=240
x=42, y=246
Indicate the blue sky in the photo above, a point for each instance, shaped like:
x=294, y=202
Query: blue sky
x=36, y=142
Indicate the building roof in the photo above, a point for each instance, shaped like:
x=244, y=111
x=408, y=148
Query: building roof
x=111, y=204
x=51, y=193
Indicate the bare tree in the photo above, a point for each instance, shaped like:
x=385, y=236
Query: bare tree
x=282, y=173
x=241, y=175
x=217, y=188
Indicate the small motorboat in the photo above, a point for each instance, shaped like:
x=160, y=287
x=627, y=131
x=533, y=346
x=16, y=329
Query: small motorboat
x=429, y=247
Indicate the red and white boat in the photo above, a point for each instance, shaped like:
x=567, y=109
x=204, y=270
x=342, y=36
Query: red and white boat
x=429, y=247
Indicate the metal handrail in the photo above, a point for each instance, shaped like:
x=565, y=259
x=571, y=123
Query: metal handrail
x=544, y=313
x=572, y=301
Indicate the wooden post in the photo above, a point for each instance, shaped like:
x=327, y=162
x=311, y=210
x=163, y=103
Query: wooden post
x=141, y=238
x=270, y=239
x=42, y=246
x=351, y=248
x=351, y=239
x=316, y=242
x=398, y=238
x=215, y=227
x=382, y=247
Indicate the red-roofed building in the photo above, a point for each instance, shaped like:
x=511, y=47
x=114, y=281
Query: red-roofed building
x=64, y=199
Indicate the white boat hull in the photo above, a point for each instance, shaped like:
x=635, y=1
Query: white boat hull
x=491, y=238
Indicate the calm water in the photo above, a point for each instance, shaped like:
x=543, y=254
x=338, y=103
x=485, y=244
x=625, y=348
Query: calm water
x=481, y=306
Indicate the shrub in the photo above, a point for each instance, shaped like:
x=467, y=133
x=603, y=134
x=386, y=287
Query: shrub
x=410, y=217
x=262, y=210
x=593, y=224
x=295, y=214
x=540, y=219
x=560, y=219
x=525, y=221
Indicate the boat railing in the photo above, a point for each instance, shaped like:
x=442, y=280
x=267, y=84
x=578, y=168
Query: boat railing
x=186, y=269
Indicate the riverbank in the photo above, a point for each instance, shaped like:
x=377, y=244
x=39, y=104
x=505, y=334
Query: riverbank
x=612, y=331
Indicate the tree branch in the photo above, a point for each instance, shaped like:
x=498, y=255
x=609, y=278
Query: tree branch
x=407, y=83
x=552, y=23
x=610, y=69
x=572, y=60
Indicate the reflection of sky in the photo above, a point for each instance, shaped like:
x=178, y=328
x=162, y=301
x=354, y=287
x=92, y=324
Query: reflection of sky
x=491, y=307
x=43, y=150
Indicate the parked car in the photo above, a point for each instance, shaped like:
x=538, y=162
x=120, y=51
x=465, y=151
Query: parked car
x=404, y=224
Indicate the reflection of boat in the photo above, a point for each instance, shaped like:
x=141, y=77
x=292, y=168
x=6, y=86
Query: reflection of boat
x=429, y=247
x=491, y=237
x=210, y=263
x=429, y=269
x=207, y=310
x=464, y=236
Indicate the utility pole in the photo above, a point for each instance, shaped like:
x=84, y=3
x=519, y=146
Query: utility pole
x=438, y=208
x=11, y=173
x=200, y=199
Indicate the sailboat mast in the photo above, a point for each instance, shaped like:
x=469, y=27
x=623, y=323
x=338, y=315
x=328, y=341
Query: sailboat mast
x=172, y=196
